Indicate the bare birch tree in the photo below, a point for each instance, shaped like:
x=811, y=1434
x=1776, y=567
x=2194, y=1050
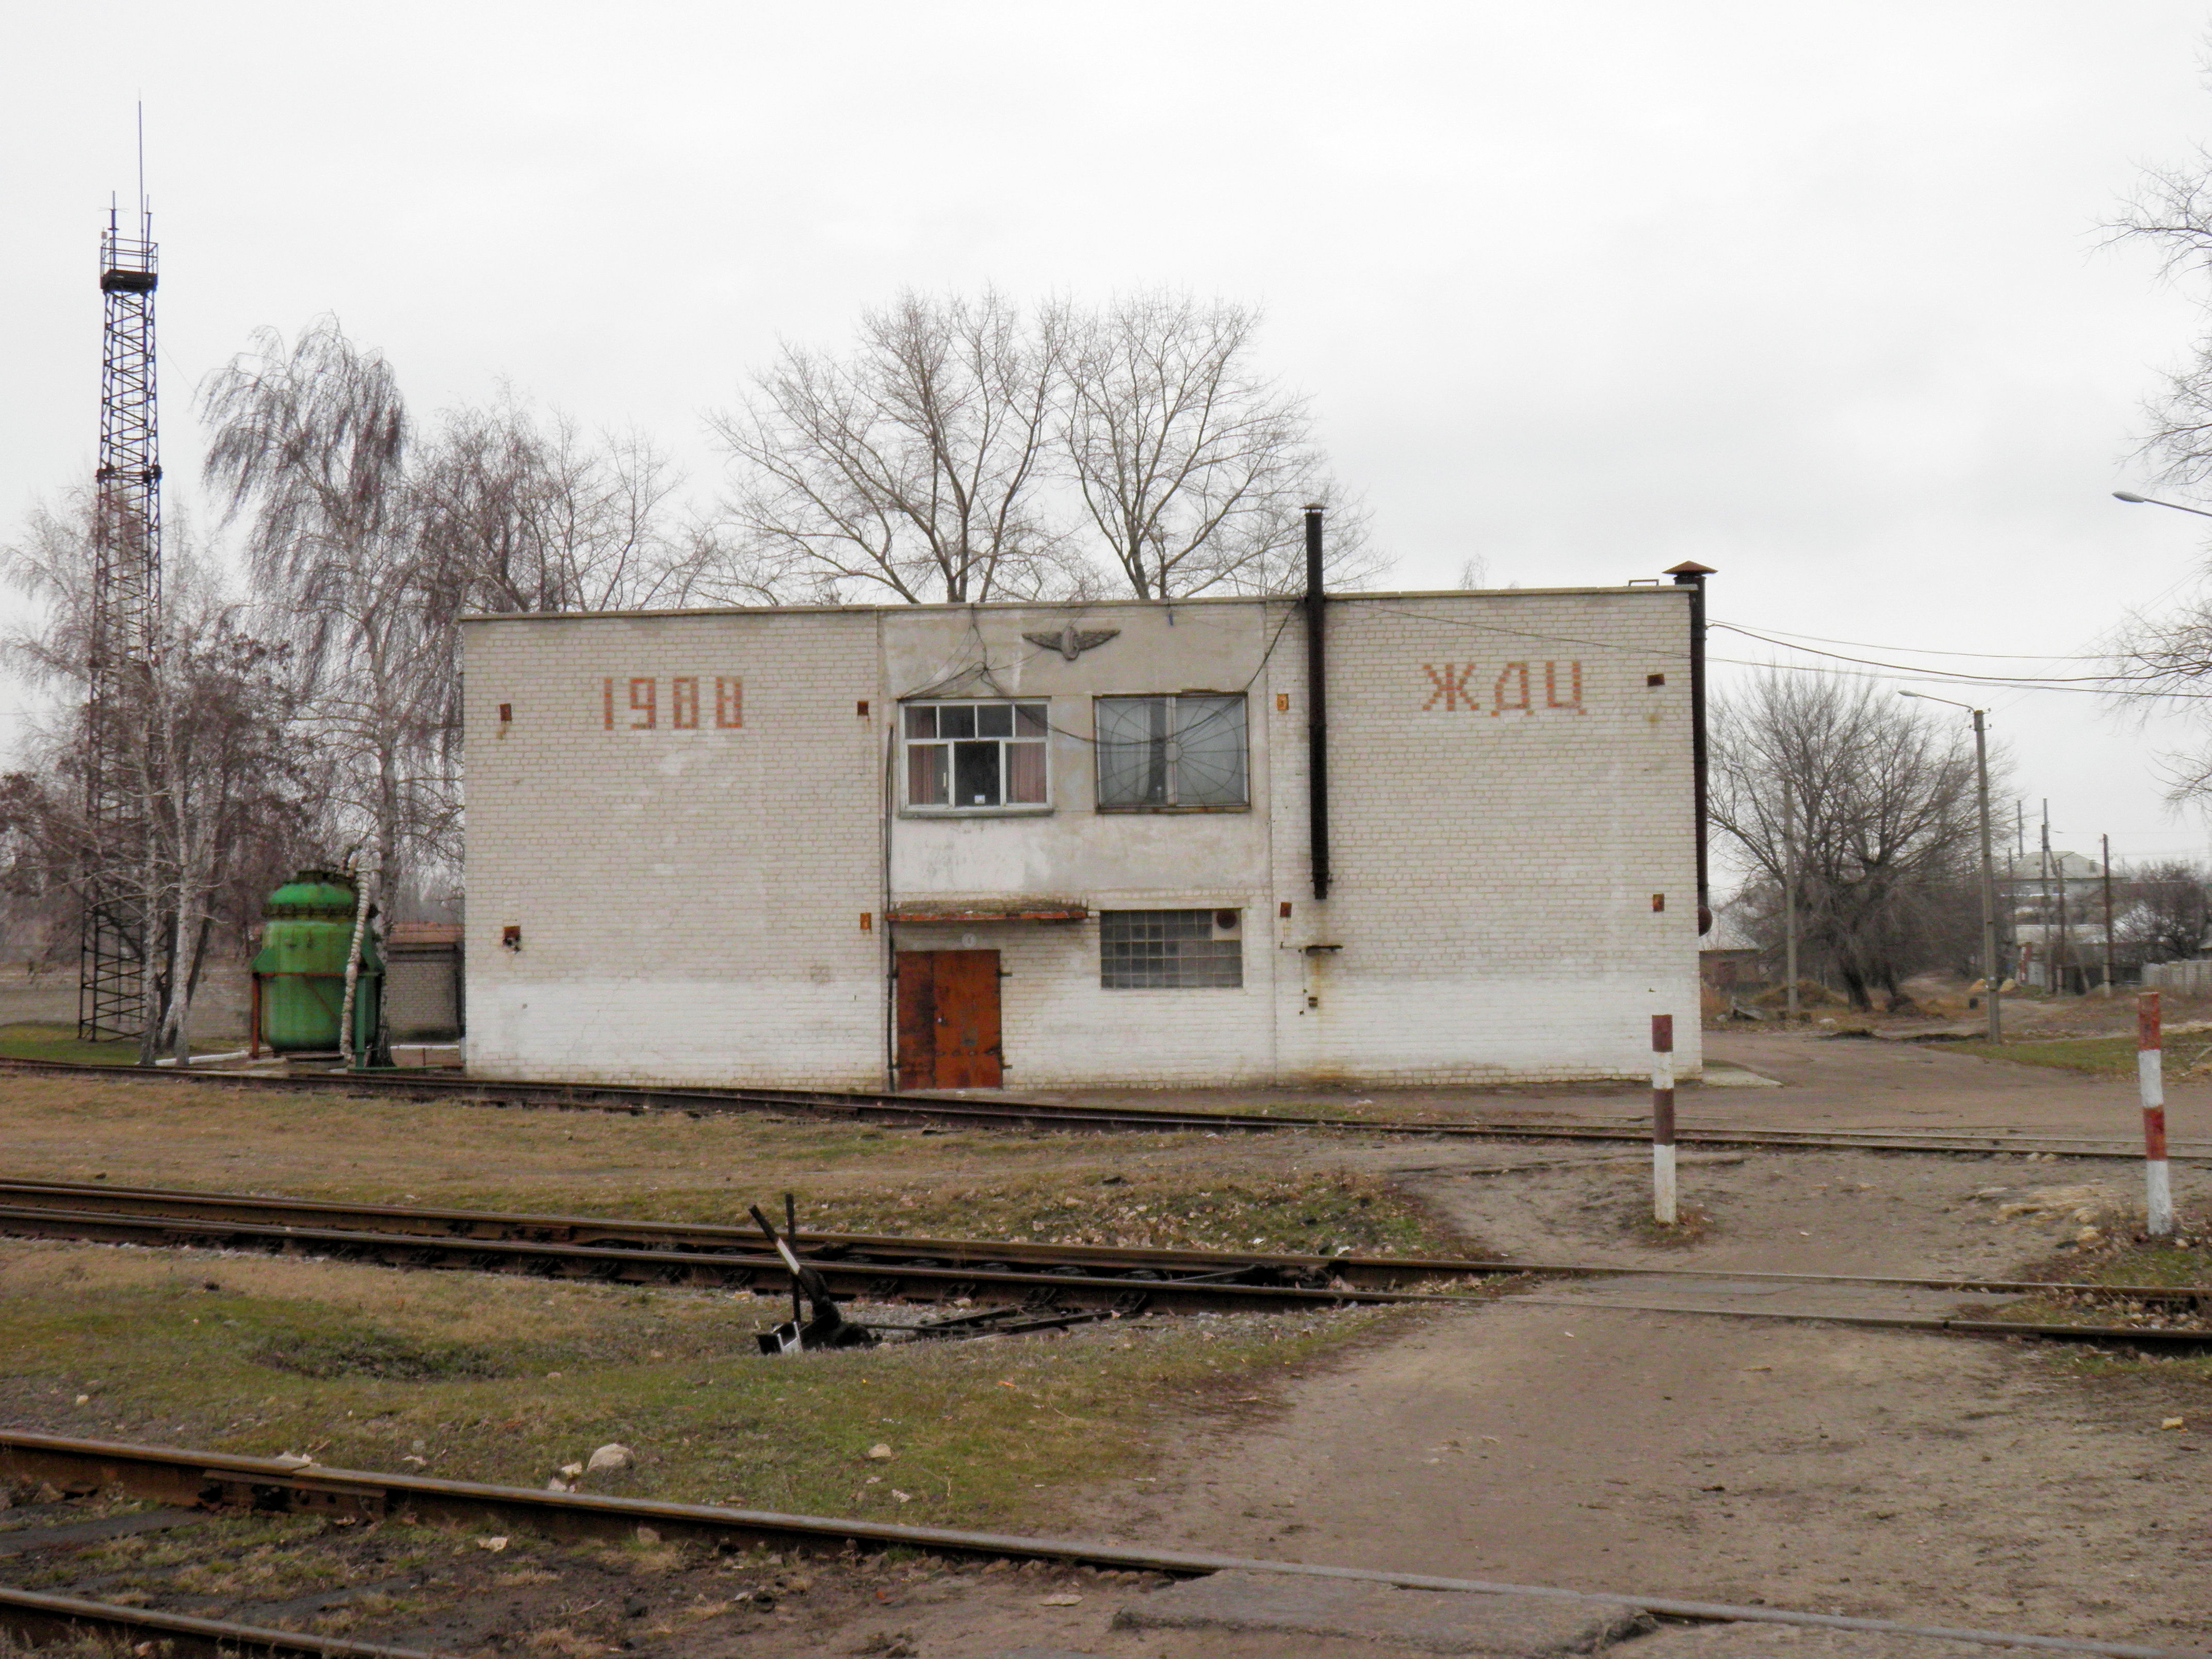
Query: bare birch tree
x=910, y=468
x=1194, y=465
x=1885, y=834
x=213, y=778
x=308, y=448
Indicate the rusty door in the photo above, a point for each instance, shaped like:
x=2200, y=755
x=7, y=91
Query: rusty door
x=948, y=1020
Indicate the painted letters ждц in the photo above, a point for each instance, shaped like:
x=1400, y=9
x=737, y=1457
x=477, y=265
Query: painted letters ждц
x=1508, y=693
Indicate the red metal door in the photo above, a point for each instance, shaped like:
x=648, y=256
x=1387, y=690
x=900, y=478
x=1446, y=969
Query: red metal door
x=917, y=1019
x=948, y=1020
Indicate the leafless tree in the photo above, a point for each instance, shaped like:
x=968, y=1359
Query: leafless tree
x=514, y=512
x=910, y=468
x=2169, y=656
x=1194, y=465
x=1885, y=834
x=370, y=539
x=967, y=451
x=214, y=779
x=2172, y=213
x=308, y=448
x=2162, y=909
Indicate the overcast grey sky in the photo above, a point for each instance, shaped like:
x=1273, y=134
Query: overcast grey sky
x=1813, y=294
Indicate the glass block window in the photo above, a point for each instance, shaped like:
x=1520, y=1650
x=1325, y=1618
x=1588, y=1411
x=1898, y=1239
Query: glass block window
x=971, y=755
x=1168, y=950
x=1183, y=751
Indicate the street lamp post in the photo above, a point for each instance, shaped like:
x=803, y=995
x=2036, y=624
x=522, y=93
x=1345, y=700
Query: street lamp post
x=1991, y=980
x=2134, y=500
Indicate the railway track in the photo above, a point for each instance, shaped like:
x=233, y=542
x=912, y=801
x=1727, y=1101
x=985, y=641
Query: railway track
x=881, y=1267
x=891, y=1108
x=41, y=1619
x=204, y=1481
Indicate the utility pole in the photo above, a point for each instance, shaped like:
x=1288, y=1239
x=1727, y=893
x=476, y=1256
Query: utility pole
x=1992, y=972
x=2104, y=845
x=116, y=982
x=2064, y=960
x=1789, y=899
x=2042, y=869
x=2012, y=884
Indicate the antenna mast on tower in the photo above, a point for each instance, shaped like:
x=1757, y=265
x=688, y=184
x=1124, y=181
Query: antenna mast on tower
x=114, y=973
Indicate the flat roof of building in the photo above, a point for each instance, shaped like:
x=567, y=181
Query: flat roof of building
x=1653, y=585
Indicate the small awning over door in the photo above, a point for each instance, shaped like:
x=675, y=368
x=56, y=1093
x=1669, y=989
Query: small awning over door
x=956, y=910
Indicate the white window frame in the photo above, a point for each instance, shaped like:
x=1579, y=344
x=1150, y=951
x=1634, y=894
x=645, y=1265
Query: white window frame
x=1023, y=715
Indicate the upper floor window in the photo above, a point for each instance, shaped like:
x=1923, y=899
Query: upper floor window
x=961, y=757
x=1181, y=750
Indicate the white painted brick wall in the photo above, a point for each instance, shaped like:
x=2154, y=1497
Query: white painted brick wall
x=691, y=899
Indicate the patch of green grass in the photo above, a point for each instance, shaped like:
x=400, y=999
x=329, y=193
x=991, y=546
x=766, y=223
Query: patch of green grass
x=52, y=1040
x=980, y=1432
x=2182, y=1380
x=32, y=1040
x=356, y=1349
x=2099, y=1057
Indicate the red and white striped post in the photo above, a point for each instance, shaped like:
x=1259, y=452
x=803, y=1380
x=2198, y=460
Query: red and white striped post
x=2150, y=1076
x=1663, y=1120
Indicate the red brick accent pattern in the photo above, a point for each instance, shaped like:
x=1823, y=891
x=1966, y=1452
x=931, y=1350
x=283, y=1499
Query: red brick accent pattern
x=1517, y=672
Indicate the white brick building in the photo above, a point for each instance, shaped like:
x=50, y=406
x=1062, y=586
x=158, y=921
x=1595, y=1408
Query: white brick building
x=1048, y=845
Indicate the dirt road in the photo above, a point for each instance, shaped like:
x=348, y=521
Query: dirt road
x=1565, y=1442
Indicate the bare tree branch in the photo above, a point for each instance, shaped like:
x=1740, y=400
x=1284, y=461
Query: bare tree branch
x=1194, y=465
x=906, y=470
x=1887, y=833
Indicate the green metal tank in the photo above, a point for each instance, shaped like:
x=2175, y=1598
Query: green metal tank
x=298, y=976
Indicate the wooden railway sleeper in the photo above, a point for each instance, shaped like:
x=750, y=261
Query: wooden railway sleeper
x=222, y=1489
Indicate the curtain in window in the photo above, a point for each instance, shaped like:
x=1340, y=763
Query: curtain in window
x=1025, y=775
x=1132, y=751
x=925, y=774
x=1209, y=744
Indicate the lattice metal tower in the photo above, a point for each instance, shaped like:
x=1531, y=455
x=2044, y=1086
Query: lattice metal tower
x=126, y=602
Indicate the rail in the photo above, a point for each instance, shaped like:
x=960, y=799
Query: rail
x=171, y=1475
x=39, y=1618
x=886, y=1107
x=1119, y=1279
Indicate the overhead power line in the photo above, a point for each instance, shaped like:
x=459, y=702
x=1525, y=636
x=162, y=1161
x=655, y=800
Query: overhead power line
x=1935, y=651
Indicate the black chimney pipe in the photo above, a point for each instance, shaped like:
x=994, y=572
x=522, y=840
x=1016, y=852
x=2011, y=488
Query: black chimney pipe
x=1316, y=710
x=1691, y=575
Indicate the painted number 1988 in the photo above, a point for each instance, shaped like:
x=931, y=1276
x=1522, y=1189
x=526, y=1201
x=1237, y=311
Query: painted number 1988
x=645, y=706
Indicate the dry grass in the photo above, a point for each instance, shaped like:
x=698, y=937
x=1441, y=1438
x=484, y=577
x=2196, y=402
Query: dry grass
x=981, y=1431
x=509, y=1379
x=1164, y=1190
x=2181, y=1381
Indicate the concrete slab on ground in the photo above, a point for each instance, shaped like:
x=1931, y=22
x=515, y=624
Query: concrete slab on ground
x=1424, y=1621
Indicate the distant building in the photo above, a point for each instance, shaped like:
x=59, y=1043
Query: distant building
x=422, y=996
